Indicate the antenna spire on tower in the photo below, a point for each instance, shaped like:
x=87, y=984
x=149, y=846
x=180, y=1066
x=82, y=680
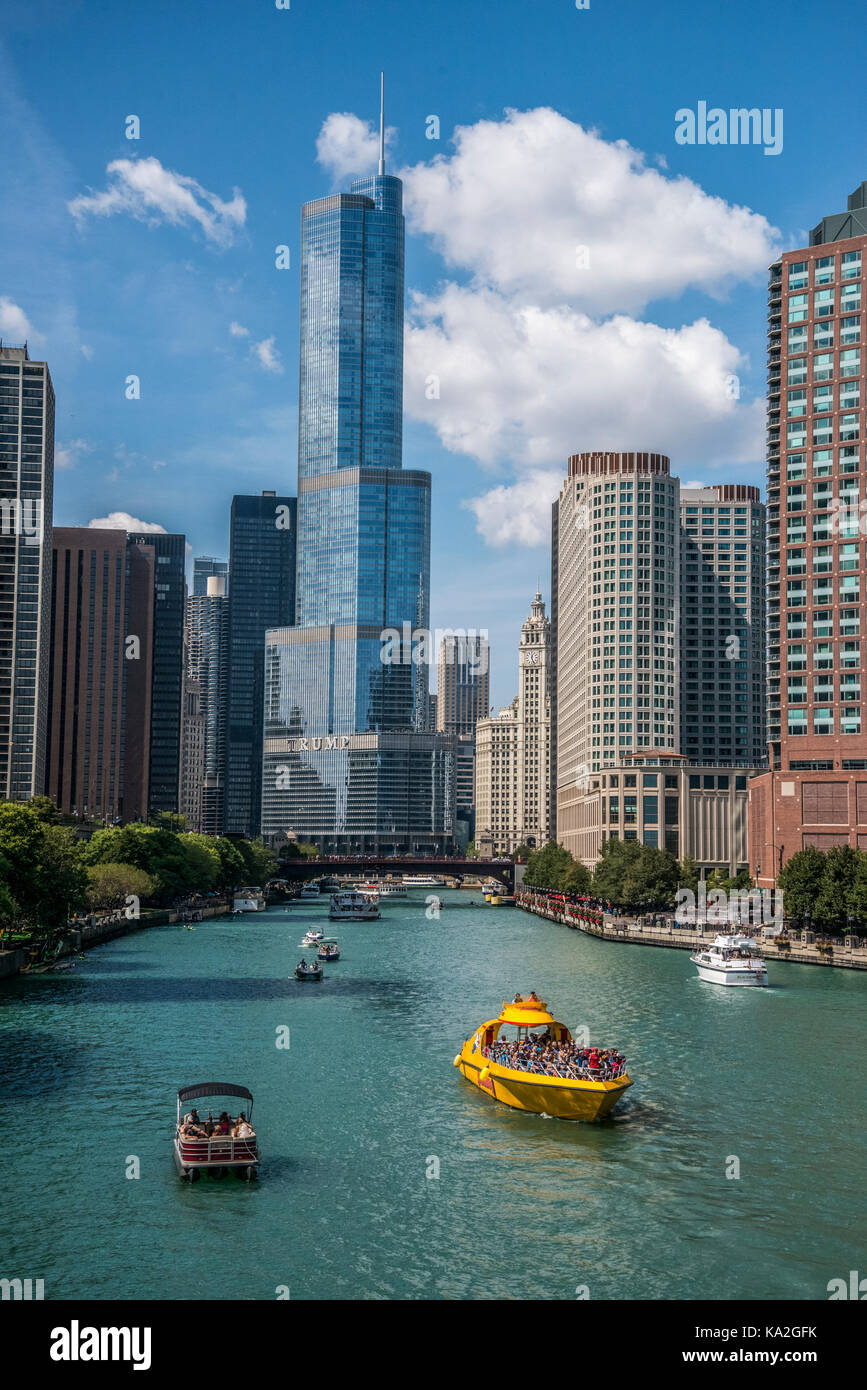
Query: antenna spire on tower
x=381, y=123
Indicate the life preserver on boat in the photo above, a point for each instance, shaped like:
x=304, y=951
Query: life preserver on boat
x=457, y=1061
x=484, y=1073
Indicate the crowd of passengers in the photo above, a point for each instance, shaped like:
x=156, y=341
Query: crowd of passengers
x=541, y=1053
x=194, y=1127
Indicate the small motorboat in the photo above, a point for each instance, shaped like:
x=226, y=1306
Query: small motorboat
x=329, y=949
x=303, y=971
x=195, y=1153
x=312, y=937
x=526, y=1071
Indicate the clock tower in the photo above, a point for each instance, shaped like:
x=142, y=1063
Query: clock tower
x=534, y=718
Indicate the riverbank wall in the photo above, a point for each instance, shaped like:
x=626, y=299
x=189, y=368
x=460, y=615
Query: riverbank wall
x=86, y=934
x=633, y=931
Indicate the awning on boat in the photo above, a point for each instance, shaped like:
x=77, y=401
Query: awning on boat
x=526, y=1015
x=213, y=1088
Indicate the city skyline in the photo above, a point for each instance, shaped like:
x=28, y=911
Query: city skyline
x=192, y=302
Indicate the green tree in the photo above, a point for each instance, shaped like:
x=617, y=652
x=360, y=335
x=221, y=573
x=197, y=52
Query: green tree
x=547, y=868
x=233, y=865
x=616, y=858
x=62, y=877
x=159, y=853
x=801, y=881
x=857, y=900
x=578, y=880
x=43, y=809
x=21, y=838
x=688, y=874
x=838, y=882
x=259, y=863
x=169, y=820
x=109, y=885
x=203, y=861
x=651, y=880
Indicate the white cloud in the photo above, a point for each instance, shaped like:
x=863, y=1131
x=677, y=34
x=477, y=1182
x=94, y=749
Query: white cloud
x=529, y=386
x=15, y=324
x=519, y=514
x=122, y=521
x=148, y=191
x=67, y=455
x=349, y=147
x=520, y=197
x=267, y=355
x=238, y=330
x=87, y=352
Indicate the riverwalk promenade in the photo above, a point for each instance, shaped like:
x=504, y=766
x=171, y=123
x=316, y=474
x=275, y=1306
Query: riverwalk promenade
x=665, y=932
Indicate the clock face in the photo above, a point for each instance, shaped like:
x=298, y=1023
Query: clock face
x=531, y=658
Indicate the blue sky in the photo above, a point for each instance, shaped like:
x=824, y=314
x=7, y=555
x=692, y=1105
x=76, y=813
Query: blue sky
x=536, y=354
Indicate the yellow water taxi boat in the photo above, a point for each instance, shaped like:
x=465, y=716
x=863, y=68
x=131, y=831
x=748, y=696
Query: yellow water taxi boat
x=568, y=1097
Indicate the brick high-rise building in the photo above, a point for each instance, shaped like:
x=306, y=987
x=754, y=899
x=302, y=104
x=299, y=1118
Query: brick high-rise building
x=99, y=687
x=816, y=790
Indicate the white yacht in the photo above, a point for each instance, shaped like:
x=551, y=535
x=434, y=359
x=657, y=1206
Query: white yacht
x=310, y=890
x=731, y=960
x=390, y=888
x=353, y=906
x=422, y=881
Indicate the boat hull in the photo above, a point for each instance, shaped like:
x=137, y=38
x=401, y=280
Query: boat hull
x=543, y=1095
x=716, y=976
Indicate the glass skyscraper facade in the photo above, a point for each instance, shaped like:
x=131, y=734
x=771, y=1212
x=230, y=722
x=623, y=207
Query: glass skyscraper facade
x=26, y=495
x=262, y=560
x=346, y=762
x=168, y=666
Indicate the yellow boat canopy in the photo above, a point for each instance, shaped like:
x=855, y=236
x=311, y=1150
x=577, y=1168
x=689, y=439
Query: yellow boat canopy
x=526, y=1013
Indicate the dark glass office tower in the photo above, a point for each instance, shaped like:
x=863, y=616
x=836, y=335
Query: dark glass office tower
x=168, y=666
x=341, y=766
x=26, y=493
x=262, y=561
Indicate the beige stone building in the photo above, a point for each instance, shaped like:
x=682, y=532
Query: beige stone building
x=660, y=798
x=513, y=751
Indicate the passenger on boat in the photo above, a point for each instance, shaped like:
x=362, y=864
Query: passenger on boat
x=223, y=1125
x=549, y=1057
x=243, y=1129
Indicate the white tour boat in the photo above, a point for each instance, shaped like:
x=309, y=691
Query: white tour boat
x=422, y=881
x=310, y=890
x=731, y=960
x=354, y=907
x=387, y=888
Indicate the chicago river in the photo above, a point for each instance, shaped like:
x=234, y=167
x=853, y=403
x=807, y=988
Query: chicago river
x=384, y=1175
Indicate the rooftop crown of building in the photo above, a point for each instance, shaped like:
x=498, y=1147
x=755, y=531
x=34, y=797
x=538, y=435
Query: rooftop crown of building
x=602, y=464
